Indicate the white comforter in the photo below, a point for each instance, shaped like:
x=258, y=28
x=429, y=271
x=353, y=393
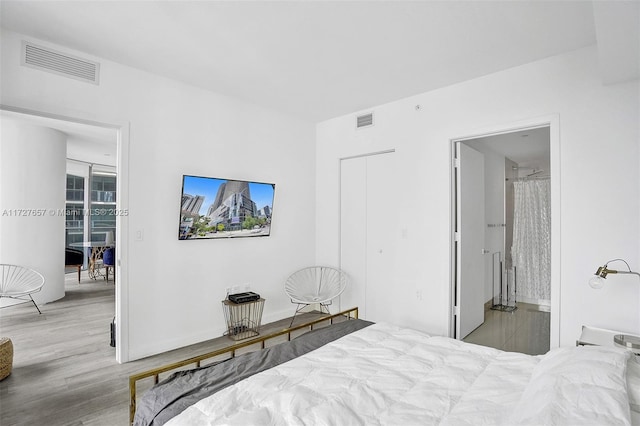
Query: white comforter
x=385, y=375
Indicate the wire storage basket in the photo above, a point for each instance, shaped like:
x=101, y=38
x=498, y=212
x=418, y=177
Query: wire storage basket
x=6, y=357
x=243, y=319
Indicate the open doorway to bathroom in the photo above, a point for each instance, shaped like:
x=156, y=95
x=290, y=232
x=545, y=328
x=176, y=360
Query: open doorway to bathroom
x=503, y=242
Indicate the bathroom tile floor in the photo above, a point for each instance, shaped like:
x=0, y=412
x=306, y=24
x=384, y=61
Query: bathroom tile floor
x=524, y=330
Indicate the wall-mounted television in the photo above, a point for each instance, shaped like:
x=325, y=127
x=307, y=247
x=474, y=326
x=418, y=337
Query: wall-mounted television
x=224, y=208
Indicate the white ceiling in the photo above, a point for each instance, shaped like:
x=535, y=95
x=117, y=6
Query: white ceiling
x=321, y=59
x=530, y=149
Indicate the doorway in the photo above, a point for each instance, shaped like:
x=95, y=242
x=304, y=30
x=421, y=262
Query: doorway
x=94, y=131
x=495, y=281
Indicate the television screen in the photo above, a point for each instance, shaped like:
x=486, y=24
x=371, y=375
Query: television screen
x=223, y=208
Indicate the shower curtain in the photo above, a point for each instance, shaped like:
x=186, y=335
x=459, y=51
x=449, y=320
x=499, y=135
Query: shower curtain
x=531, y=250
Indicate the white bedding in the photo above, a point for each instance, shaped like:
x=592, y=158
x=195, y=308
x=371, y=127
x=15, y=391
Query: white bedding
x=390, y=376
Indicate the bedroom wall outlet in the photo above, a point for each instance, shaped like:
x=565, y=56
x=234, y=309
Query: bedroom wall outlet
x=139, y=235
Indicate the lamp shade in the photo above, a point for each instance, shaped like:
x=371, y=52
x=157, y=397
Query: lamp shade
x=596, y=282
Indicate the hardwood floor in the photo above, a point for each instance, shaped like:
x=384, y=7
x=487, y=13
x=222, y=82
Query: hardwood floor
x=64, y=371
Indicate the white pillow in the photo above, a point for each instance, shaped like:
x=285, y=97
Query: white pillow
x=582, y=385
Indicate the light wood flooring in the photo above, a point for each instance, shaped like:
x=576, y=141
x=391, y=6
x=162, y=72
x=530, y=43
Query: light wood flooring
x=64, y=371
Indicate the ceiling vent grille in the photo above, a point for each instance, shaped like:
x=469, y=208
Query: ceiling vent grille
x=365, y=120
x=60, y=63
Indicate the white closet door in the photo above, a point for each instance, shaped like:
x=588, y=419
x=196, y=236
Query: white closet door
x=353, y=231
x=382, y=221
x=367, y=233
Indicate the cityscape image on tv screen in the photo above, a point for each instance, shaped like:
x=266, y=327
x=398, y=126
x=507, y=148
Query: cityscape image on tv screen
x=222, y=208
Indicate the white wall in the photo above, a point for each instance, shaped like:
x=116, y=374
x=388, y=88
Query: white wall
x=174, y=288
x=598, y=159
x=32, y=199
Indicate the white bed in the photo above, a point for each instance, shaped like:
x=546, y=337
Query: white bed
x=388, y=375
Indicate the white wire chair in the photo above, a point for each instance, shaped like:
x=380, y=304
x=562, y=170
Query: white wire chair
x=315, y=284
x=18, y=282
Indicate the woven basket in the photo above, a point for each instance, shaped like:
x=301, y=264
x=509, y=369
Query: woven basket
x=6, y=357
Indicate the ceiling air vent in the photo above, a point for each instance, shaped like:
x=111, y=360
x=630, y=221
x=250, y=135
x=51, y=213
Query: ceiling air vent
x=45, y=59
x=365, y=120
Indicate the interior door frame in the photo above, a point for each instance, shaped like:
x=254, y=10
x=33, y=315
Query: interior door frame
x=122, y=220
x=551, y=121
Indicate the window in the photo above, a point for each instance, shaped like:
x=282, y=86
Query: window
x=103, y=205
x=75, y=188
x=100, y=209
x=103, y=189
x=74, y=224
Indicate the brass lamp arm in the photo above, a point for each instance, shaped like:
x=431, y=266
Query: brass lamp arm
x=603, y=271
x=597, y=281
x=611, y=271
x=631, y=272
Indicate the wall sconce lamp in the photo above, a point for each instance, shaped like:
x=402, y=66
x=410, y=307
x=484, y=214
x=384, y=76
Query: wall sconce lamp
x=597, y=281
